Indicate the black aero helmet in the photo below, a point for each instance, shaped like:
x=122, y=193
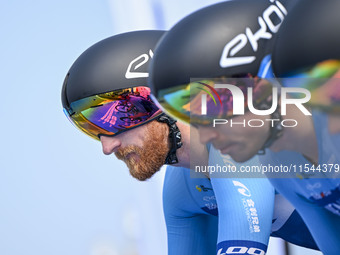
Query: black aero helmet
x=227, y=39
x=105, y=91
x=309, y=35
x=307, y=52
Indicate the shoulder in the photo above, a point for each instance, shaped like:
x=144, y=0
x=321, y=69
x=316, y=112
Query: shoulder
x=175, y=190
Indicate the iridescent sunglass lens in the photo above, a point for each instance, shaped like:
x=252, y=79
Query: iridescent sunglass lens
x=200, y=102
x=113, y=112
x=322, y=81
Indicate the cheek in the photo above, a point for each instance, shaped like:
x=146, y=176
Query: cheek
x=235, y=133
x=203, y=131
x=244, y=136
x=224, y=130
x=131, y=140
x=140, y=141
x=137, y=137
x=256, y=139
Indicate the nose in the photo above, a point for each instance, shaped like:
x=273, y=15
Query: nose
x=206, y=134
x=110, y=144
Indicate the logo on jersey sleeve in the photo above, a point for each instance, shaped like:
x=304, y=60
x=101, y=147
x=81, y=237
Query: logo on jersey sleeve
x=241, y=247
x=201, y=188
x=243, y=189
x=206, y=198
x=249, y=206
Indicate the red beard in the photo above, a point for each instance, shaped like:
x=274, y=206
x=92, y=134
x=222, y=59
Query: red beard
x=143, y=162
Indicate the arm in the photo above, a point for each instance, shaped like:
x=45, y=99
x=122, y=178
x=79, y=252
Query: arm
x=322, y=224
x=288, y=224
x=191, y=235
x=190, y=230
x=245, y=208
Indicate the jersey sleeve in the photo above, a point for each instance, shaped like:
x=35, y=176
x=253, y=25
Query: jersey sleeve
x=288, y=224
x=245, y=208
x=189, y=229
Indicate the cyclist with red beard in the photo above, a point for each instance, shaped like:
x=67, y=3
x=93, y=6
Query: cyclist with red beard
x=92, y=95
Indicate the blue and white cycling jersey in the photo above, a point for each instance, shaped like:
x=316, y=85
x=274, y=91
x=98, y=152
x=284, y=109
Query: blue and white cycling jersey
x=225, y=215
x=314, y=193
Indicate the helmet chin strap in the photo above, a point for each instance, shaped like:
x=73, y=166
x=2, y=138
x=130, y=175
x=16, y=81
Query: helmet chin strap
x=174, y=136
x=275, y=130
